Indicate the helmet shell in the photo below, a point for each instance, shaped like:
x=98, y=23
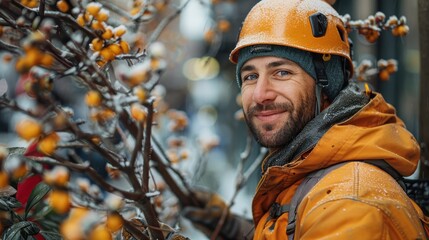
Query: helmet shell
x=287, y=23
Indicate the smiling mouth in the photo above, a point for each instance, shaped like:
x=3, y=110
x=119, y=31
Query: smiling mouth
x=268, y=116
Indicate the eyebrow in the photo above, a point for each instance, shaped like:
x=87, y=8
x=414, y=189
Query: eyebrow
x=269, y=65
x=278, y=63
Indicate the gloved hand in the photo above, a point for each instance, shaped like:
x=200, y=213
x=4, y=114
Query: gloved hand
x=207, y=218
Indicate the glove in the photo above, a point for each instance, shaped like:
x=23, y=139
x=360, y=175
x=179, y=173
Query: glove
x=176, y=236
x=207, y=218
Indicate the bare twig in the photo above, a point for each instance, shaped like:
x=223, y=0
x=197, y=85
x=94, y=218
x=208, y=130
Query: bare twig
x=137, y=147
x=147, y=145
x=241, y=179
x=164, y=23
x=137, y=233
x=10, y=48
x=85, y=168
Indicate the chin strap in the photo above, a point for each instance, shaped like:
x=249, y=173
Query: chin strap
x=318, y=100
x=321, y=79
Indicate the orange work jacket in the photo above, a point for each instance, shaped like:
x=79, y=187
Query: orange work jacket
x=356, y=200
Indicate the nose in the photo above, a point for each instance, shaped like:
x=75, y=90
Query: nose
x=264, y=92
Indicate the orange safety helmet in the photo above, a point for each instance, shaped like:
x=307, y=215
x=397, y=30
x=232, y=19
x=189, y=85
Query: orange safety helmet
x=297, y=24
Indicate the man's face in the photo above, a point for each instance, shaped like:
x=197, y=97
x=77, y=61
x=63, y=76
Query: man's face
x=278, y=99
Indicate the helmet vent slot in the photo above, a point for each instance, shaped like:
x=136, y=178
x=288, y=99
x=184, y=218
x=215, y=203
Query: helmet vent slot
x=342, y=33
x=319, y=23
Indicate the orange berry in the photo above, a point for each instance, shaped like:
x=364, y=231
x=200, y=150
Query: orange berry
x=124, y=46
x=49, y=178
x=113, y=172
x=119, y=30
x=134, y=11
x=138, y=112
x=101, y=63
x=105, y=114
x=372, y=36
x=103, y=15
x=62, y=178
x=158, y=201
x=173, y=156
x=96, y=140
x=78, y=213
x=138, y=78
x=400, y=31
x=3, y=153
x=100, y=233
x=81, y=20
x=149, y=12
x=108, y=34
x=223, y=25
x=107, y=54
x=60, y=201
x=48, y=144
x=21, y=65
x=97, y=44
x=97, y=25
x=93, y=99
x=391, y=68
x=93, y=8
x=154, y=63
x=384, y=75
x=63, y=6
x=46, y=60
x=20, y=171
x=32, y=56
x=209, y=35
x=28, y=129
x=4, y=179
x=33, y=3
x=60, y=120
x=71, y=229
x=140, y=93
x=184, y=154
x=160, y=6
x=7, y=57
x=114, y=222
x=115, y=48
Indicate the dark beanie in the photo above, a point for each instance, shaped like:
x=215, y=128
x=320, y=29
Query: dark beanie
x=304, y=59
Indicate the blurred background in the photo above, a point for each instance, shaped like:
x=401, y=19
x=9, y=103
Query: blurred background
x=200, y=81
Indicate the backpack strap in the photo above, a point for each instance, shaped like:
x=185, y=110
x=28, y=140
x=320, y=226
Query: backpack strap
x=306, y=185
x=390, y=170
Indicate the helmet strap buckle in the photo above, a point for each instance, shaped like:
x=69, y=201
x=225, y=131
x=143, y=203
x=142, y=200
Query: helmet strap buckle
x=319, y=67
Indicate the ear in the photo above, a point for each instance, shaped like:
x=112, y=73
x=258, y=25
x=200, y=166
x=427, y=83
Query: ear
x=325, y=102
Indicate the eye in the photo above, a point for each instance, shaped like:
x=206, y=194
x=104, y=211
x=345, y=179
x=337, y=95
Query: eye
x=282, y=73
x=248, y=77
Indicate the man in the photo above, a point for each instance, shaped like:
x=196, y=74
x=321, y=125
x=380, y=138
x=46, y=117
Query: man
x=293, y=67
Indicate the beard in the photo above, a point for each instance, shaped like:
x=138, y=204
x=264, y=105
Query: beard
x=298, y=118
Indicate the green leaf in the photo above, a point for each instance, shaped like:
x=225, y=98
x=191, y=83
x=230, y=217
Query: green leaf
x=36, y=195
x=21, y=230
x=7, y=203
x=48, y=235
x=13, y=202
x=16, y=150
x=41, y=212
x=3, y=205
